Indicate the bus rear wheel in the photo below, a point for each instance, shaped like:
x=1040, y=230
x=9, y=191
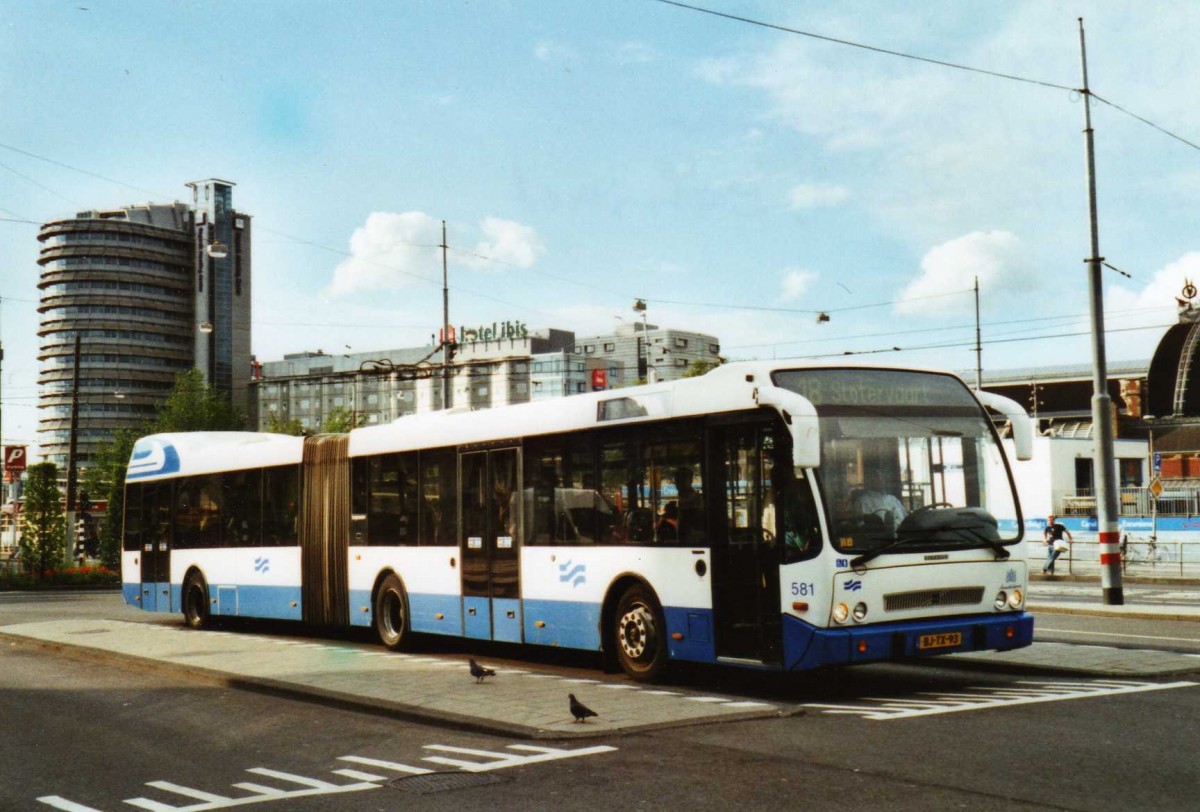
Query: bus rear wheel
x=639, y=634
x=195, y=602
x=391, y=615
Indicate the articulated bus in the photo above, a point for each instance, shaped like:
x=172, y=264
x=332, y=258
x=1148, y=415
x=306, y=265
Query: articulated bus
x=727, y=518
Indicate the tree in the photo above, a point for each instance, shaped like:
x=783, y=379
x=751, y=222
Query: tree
x=106, y=477
x=700, y=366
x=194, y=405
x=338, y=420
x=285, y=425
x=43, y=525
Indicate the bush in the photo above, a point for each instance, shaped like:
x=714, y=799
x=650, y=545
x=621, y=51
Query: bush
x=71, y=576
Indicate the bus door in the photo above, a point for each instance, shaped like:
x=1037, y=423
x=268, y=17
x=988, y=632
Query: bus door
x=745, y=553
x=491, y=527
x=156, y=547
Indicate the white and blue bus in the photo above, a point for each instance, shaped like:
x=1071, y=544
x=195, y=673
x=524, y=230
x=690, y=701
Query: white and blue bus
x=728, y=518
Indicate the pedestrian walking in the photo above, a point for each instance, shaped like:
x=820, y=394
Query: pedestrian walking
x=1055, y=545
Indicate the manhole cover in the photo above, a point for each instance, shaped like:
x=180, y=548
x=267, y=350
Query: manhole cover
x=444, y=782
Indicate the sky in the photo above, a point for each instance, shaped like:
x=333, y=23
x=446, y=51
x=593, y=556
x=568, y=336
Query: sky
x=739, y=178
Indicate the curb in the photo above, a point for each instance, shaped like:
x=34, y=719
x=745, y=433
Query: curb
x=375, y=706
x=1101, y=611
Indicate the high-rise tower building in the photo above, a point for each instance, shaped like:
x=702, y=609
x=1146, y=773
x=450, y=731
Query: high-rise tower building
x=150, y=290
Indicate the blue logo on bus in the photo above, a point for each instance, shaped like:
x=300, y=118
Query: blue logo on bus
x=152, y=457
x=262, y=564
x=852, y=585
x=577, y=573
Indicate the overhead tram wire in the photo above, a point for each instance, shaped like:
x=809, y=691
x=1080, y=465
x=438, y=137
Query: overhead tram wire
x=938, y=62
x=800, y=310
x=971, y=343
x=1145, y=121
x=865, y=47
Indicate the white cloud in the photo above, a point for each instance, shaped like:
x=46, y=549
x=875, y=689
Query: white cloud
x=996, y=257
x=634, y=53
x=392, y=251
x=796, y=283
x=507, y=242
x=1152, y=307
x=817, y=195
x=388, y=252
x=550, y=51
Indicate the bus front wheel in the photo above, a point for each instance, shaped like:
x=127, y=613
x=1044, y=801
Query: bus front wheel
x=640, y=633
x=391, y=614
x=195, y=602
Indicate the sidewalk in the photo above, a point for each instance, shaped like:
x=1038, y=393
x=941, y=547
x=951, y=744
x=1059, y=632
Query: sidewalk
x=524, y=702
x=438, y=689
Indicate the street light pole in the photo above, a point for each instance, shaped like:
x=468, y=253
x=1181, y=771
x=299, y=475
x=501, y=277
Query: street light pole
x=445, y=324
x=1107, y=509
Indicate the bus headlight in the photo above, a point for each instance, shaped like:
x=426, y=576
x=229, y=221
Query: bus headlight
x=841, y=612
x=1016, y=598
x=860, y=612
x=1001, y=599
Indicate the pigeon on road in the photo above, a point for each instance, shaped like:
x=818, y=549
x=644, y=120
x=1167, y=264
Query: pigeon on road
x=579, y=710
x=479, y=672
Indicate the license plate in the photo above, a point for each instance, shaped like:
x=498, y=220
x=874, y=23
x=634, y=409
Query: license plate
x=940, y=640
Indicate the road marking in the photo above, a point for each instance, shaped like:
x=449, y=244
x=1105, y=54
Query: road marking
x=981, y=698
x=1116, y=634
x=65, y=805
x=360, y=775
x=310, y=787
x=386, y=765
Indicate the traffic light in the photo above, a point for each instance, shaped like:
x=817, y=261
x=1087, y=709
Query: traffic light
x=85, y=502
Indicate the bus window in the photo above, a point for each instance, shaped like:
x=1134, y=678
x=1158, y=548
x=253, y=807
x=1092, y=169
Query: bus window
x=241, y=508
x=133, y=519
x=281, y=494
x=383, y=500
x=656, y=489
x=198, y=511
x=562, y=503
x=438, y=503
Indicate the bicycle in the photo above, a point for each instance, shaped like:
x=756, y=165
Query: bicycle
x=1143, y=550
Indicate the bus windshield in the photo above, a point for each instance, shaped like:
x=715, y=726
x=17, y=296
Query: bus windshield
x=906, y=456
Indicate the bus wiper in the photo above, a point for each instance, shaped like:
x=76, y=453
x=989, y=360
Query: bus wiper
x=999, y=549
x=1001, y=552
x=858, y=562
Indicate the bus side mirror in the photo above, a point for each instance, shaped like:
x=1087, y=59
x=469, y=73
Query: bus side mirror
x=1022, y=428
x=800, y=418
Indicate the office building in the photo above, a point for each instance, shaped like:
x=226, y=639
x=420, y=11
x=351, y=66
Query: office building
x=490, y=368
x=648, y=353
x=150, y=290
x=494, y=365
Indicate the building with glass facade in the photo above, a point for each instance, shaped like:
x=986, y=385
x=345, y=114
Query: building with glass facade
x=647, y=353
x=378, y=387
x=150, y=290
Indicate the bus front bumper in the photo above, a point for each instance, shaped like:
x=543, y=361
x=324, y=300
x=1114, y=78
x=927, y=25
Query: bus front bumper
x=806, y=646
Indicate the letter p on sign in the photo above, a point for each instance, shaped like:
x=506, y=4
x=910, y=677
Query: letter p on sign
x=14, y=458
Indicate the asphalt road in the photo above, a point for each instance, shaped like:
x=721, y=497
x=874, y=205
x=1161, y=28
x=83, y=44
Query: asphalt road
x=89, y=734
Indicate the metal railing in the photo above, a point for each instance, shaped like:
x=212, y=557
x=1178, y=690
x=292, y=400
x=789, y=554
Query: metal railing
x=1142, y=556
x=1180, y=498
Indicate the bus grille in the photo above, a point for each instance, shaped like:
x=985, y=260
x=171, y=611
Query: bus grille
x=928, y=598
